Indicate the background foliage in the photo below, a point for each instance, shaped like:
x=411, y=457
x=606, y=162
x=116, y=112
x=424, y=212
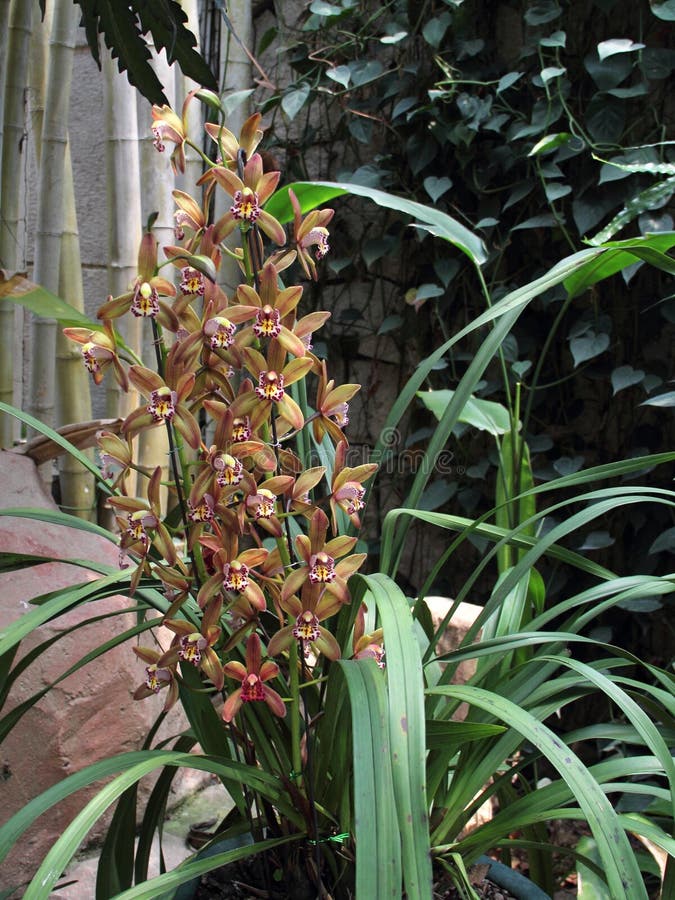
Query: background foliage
x=526, y=121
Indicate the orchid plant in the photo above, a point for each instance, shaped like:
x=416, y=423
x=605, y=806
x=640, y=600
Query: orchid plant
x=349, y=768
x=250, y=556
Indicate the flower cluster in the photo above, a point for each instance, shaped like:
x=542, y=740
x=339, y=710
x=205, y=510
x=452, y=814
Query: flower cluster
x=249, y=553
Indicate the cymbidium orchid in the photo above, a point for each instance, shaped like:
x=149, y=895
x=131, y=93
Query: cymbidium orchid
x=234, y=572
x=141, y=527
x=273, y=380
x=188, y=215
x=99, y=351
x=306, y=613
x=196, y=646
x=160, y=674
x=116, y=454
x=261, y=502
x=348, y=492
x=144, y=298
x=319, y=557
x=332, y=405
x=310, y=232
x=249, y=137
x=169, y=126
x=252, y=676
x=269, y=307
x=367, y=646
x=249, y=195
x=167, y=402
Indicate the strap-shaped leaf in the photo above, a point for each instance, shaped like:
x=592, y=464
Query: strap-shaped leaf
x=438, y=223
x=376, y=825
x=133, y=767
x=405, y=687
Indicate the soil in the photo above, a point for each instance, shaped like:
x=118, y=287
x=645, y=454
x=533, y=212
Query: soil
x=482, y=886
x=234, y=883
x=246, y=880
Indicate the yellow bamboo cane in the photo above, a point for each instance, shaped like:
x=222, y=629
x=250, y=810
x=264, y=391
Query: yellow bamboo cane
x=19, y=15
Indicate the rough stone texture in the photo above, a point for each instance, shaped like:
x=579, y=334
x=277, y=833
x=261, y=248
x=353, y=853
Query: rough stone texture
x=89, y=715
x=206, y=805
x=462, y=620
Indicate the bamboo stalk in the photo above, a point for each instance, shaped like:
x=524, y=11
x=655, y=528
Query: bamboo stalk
x=12, y=221
x=158, y=181
x=235, y=75
x=4, y=42
x=195, y=118
x=124, y=210
x=50, y=212
x=73, y=404
x=73, y=397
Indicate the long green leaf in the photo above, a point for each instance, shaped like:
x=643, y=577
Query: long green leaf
x=407, y=723
x=155, y=808
x=619, y=255
x=41, y=302
x=41, y=428
x=642, y=723
x=59, y=603
x=312, y=195
x=621, y=870
x=163, y=884
x=375, y=821
x=549, y=801
x=492, y=533
x=56, y=517
x=505, y=313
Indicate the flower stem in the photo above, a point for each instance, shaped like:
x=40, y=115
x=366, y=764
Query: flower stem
x=175, y=454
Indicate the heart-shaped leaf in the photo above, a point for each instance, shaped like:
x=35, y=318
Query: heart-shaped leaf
x=390, y=323
x=508, y=80
x=663, y=9
x=293, y=102
x=426, y=291
x=617, y=45
x=549, y=143
x=665, y=541
x=551, y=72
x=341, y=74
x=557, y=39
x=542, y=12
x=363, y=72
x=321, y=8
x=568, y=465
x=486, y=415
x=435, y=29
x=625, y=376
x=597, y=540
x=588, y=346
x=436, y=187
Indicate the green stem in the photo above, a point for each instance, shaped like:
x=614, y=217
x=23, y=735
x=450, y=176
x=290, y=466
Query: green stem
x=294, y=713
x=176, y=454
x=502, y=361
